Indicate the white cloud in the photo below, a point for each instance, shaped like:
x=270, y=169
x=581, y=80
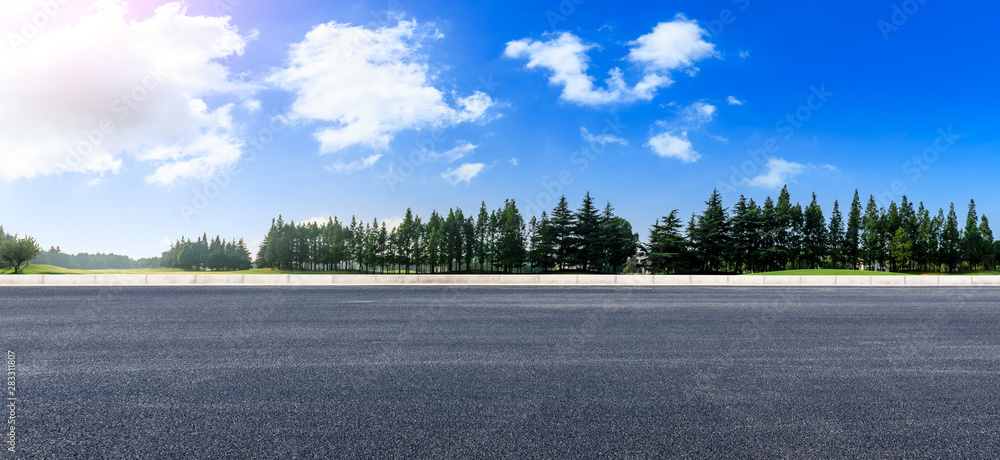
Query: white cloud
x=251, y=105
x=673, y=141
x=392, y=222
x=513, y=161
x=454, y=154
x=463, y=173
x=778, y=173
x=354, y=166
x=85, y=95
x=364, y=86
x=697, y=114
x=316, y=220
x=733, y=101
x=673, y=45
x=744, y=54
x=603, y=139
x=677, y=146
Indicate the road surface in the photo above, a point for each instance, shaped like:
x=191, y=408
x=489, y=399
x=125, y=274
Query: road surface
x=440, y=372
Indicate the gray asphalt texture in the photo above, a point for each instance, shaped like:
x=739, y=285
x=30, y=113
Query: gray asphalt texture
x=443, y=372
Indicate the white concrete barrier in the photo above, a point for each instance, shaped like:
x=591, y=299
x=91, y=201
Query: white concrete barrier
x=782, y=280
x=922, y=280
x=747, y=280
x=21, y=280
x=954, y=280
x=206, y=279
x=854, y=280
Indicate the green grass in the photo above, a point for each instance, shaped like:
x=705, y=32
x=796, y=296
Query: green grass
x=828, y=272
x=41, y=269
x=833, y=272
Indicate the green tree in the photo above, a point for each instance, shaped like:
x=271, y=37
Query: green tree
x=667, y=248
x=873, y=249
x=852, y=237
x=561, y=225
x=713, y=242
x=900, y=248
x=17, y=252
x=835, y=242
x=586, y=235
x=972, y=241
x=814, y=234
x=951, y=242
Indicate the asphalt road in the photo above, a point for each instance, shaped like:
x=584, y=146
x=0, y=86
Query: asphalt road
x=438, y=372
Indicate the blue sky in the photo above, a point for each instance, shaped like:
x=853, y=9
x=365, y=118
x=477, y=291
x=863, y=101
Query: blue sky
x=219, y=119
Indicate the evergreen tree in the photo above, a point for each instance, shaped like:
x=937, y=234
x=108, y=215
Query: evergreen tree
x=972, y=242
x=586, y=235
x=667, y=248
x=852, y=237
x=561, y=224
x=873, y=249
x=900, y=248
x=835, y=241
x=951, y=242
x=712, y=232
x=814, y=235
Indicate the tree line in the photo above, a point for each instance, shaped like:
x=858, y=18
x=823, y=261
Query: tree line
x=492, y=241
x=203, y=254
x=779, y=235
x=83, y=261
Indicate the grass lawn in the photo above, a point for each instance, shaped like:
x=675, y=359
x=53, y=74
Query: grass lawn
x=827, y=272
x=833, y=272
x=40, y=269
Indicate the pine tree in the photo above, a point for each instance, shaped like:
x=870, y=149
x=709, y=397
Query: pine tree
x=835, y=242
x=900, y=248
x=561, y=224
x=667, y=248
x=951, y=242
x=872, y=246
x=972, y=242
x=988, y=250
x=814, y=235
x=586, y=235
x=852, y=237
x=713, y=234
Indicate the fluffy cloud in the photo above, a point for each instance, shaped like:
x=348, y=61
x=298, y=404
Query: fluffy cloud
x=676, y=146
x=86, y=93
x=778, y=172
x=671, y=46
x=463, y=173
x=364, y=86
x=734, y=101
x=673, y=141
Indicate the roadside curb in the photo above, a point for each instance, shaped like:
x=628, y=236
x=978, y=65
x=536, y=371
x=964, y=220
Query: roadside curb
x=492, y=280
